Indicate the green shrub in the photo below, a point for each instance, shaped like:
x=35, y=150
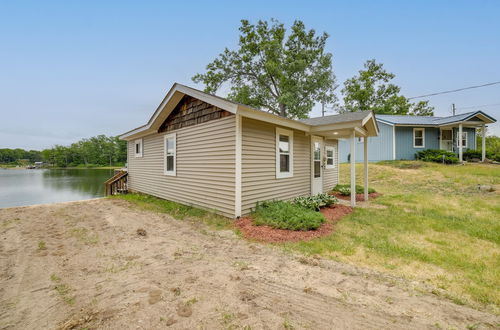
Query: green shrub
x=472, y=154
x=315, y=202
x=437, y=156
x=345, y=189
x=477, y=154
x=286, y=215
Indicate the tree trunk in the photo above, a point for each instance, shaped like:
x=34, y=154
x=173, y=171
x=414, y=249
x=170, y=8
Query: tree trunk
x=282, y=110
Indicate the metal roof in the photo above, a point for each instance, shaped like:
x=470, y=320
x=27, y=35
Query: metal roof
x=429, y=120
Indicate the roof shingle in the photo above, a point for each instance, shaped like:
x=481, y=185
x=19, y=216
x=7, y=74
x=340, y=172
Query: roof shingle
x=334, y=119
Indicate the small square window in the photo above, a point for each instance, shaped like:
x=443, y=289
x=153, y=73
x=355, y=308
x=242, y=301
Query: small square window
x=330, y=156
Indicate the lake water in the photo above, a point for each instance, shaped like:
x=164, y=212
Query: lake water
x=40, y=186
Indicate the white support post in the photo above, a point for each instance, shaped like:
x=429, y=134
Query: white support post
x=483, y=144
x=460, y=151
x=365, y=154
x=353, y=168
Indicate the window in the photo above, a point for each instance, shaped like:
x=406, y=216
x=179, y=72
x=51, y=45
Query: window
x=138, y=148
x=464, y=139
x=317, y=160
x=284, y=153
x=170, y=155
x=419, y=138
x=330, y=156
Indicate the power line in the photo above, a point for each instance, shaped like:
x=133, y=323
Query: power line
x=455, y=90
x=479, y=106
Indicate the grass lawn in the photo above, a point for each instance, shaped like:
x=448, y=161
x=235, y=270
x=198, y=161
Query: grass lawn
x=430, y=224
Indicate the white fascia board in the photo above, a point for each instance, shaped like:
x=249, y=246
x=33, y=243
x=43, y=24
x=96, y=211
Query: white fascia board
x=383, y=121
x=338, y=126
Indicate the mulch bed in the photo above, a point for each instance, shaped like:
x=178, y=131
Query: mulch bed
x=359, y=197
x=268, y=234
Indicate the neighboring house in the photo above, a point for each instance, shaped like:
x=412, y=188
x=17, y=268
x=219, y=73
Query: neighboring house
x=401, y=137
x=203, y=150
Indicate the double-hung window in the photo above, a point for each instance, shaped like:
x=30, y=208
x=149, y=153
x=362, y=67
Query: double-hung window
x=170, y=166
x=138, y=148
x=419, y=138
x=284, y=153
x=464, y=139
x=330, y=156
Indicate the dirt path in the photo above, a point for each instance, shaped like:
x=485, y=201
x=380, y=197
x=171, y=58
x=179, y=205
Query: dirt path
x=83, y=265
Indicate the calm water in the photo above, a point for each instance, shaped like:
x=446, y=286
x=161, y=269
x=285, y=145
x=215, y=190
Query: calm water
x=28, y=187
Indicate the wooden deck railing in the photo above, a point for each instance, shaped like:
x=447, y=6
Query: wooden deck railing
x=118, y=184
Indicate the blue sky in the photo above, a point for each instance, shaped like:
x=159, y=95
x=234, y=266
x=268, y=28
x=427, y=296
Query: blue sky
x=70, y=70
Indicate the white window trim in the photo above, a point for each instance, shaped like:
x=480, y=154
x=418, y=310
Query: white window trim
x=174, y=171
x=138, y=142
x=466, y=139
x=423, y=137
x=289, y=133
x=332, y=148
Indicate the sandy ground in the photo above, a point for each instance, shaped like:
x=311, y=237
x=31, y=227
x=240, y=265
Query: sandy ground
x=83, y=265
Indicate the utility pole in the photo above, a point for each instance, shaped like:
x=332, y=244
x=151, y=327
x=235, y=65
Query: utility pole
x=453, y=108
x=322, y=109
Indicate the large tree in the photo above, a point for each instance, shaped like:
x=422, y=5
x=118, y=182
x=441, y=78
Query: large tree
x=372, y=90
x=285, y=73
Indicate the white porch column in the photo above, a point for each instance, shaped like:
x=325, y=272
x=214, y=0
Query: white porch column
x=460, y=154
x=353, y=168
x=483, y=144
x=365, y=154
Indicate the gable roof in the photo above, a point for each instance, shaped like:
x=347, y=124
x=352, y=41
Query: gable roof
x=434, y=121
x=363, y=122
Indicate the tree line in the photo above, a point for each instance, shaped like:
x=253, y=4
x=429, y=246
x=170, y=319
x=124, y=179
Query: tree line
x=100, y=150
x=11, y=156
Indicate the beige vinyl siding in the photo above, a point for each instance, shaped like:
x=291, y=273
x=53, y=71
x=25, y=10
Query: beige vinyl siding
x=205, y=166
x=331, y=175
x=259, y=165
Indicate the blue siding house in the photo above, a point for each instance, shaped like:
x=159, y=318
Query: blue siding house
x=401, y=137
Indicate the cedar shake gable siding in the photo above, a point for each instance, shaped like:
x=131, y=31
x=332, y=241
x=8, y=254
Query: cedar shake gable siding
x=190, y=112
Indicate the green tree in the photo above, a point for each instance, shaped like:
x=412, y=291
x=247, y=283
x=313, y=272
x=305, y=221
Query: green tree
x=283, y=73
x=15, y=155
x=97, y=150
x=372, y=90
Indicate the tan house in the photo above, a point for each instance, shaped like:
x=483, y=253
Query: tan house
x=203, y=150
